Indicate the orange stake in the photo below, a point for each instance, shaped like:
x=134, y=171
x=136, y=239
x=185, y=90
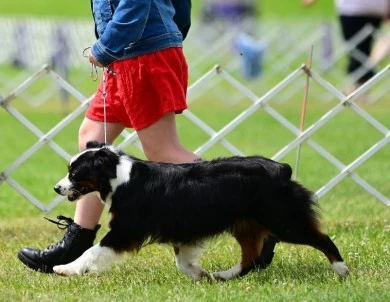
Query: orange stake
x=307, y=69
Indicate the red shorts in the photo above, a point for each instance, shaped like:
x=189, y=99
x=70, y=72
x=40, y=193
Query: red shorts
x=143, y=89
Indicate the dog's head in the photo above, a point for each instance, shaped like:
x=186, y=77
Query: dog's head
x=90, y=171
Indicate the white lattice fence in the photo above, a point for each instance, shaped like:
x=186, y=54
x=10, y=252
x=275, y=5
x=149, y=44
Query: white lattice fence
x=287, y=45
x=217, y=136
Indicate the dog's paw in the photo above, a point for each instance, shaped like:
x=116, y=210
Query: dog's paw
x=228, y=274
x=341, y=269
x=66, y=270
x=220, y=276
x=206, y=275
x=196, y=272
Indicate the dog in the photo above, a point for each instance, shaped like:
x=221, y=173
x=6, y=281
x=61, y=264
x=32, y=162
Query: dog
x=185, y=204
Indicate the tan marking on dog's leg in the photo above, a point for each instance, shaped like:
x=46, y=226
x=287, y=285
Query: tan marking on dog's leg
x=251, y=243
x=250, y=249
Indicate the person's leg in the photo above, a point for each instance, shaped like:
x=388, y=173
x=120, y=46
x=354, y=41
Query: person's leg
x=381, y=49
x=365, y=47
x=90, y=208
x=351, y=26
x=82, y=231
x=161, y=142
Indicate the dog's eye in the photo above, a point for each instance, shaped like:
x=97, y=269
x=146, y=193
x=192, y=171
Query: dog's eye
x=72, y=174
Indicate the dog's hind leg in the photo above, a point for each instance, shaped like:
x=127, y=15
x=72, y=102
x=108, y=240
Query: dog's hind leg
x=323, y=243
x=187, y=260
x=311, y=235
x=251, y=239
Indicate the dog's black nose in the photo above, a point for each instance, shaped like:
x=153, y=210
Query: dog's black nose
x=57, y=189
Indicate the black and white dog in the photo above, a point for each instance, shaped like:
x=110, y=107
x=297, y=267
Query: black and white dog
x=184, y=204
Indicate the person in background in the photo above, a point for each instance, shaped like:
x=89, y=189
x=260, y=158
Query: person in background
x=221, y=16
x=381, y=48
x=231, y=10
x=237, y=19
x=354, y=16
x=140, y=45
x=60, y=61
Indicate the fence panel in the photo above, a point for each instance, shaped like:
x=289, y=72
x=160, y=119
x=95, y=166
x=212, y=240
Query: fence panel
x=216, y=136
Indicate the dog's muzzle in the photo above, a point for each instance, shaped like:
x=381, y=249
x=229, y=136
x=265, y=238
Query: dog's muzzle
x=58, y=190
x=72, y=195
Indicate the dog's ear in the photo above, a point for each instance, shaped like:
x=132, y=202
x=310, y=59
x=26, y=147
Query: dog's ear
x=105, y=161
x=94, y=144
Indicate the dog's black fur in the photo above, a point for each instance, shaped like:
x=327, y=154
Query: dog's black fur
x=180, y=204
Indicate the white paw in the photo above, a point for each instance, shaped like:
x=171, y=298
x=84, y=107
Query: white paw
x=222, y=276
x=198, y=273
x=229, y=274
x=67, y=270
x=94, y=260
x=341, y=268
x=63, y=270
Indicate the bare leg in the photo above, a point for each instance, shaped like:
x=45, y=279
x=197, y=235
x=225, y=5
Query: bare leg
x=161, y=142
x=90, y=208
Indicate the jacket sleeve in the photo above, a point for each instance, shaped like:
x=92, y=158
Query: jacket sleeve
x=182, y=16
x=129, y=14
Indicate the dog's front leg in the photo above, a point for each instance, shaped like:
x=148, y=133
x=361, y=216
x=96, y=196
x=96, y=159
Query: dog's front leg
x=96, y=259
x=187, y=260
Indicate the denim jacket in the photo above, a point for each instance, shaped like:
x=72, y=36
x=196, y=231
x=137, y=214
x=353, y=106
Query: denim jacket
x=129, y=28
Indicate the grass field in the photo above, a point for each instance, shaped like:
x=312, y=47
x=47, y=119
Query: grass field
x=359, y=224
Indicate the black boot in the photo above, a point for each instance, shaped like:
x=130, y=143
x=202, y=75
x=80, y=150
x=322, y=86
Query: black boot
x=75, y=242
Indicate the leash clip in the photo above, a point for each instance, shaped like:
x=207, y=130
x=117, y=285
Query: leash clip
x=94, y=72
x=110, y=71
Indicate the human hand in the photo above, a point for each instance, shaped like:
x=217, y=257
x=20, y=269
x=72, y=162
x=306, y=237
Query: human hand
x=308, y=2
x=92, y=59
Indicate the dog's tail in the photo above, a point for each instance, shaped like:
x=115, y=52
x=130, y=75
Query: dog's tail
x=276, y=171
x=285, y=172
x=301, y=200
x=293, y=188
x=281, y=172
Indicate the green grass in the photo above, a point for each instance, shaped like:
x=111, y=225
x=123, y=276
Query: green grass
x=297, y=273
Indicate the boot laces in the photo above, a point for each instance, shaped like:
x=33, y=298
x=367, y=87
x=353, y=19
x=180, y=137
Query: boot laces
x=62, y=223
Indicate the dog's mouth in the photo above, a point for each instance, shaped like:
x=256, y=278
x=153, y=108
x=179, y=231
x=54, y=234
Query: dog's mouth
x=72, y=196
x=76, y=194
